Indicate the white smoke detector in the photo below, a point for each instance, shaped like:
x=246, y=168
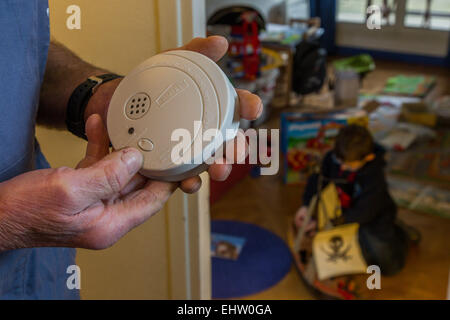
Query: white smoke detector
x=173, y=90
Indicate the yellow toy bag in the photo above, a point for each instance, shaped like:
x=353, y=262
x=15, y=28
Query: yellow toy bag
x=329, y=207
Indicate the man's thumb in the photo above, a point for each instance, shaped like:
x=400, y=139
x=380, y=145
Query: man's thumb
x=109, y=175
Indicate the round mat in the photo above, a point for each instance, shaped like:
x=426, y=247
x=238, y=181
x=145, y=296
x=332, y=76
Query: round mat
x=263, y=261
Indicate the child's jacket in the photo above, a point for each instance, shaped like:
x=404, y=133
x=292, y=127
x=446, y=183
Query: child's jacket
x=364, y=194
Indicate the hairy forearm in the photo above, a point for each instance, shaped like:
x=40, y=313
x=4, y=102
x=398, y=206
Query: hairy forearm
x=24, y=221
x=64, y=72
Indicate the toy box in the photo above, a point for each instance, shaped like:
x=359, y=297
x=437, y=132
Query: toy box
x=306, y=137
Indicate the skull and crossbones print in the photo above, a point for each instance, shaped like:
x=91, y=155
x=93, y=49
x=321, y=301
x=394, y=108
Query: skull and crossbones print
x=336, y=251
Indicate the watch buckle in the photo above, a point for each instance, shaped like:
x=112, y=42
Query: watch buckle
x=98, y=81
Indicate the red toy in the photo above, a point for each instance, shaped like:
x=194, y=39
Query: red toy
x=246, y=44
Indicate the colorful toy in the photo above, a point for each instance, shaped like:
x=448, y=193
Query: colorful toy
x=245, y=47
x=306, y=137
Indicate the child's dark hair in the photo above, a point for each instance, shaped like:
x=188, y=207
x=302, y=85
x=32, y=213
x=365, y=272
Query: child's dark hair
x=353, y=142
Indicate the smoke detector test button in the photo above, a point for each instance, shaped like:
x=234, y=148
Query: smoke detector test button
x=145, y=144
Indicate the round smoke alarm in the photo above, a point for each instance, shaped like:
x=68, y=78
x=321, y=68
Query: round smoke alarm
x=167, y=108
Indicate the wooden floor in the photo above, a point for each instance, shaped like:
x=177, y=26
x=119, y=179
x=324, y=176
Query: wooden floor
x=267, y=202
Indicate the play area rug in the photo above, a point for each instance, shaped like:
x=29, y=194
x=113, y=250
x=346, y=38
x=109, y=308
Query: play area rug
x=419, y=178
x=246, y=259
x=420, y=197
x=426, y=162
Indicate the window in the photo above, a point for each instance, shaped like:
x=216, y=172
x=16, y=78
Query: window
x=354, y=11
x=418, y=27
x=432, y=14
x=351, y=11
x=429, y=14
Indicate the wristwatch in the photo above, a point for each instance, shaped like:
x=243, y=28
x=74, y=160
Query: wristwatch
x=79, y=100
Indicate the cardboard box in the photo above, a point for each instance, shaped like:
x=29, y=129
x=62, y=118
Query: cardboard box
x=306, y=137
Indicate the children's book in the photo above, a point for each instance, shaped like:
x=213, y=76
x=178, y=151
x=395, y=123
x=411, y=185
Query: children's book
x=417, y=86
x=226, y=246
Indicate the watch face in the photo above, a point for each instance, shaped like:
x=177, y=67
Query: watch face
x=175, y=108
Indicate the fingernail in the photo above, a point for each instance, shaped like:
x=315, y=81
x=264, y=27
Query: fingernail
x=197, y=186
x=228, y=172
x=260, y=110
x=132, y=159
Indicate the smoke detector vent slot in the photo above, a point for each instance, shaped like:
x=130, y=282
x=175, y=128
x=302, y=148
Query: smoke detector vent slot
x=137, y=106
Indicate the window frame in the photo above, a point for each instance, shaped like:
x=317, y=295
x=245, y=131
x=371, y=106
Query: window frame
x=393, y=38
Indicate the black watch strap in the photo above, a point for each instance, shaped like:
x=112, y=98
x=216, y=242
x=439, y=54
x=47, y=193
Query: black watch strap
x=79, y=100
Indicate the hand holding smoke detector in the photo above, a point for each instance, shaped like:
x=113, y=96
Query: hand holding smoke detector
x=177, y=108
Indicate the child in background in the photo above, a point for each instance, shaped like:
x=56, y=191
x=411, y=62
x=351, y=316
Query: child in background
x=356, y=166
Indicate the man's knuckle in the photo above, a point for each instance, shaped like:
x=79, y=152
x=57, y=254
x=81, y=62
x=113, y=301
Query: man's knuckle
x=113, y=178
x=147, y=196
x=62, y=184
